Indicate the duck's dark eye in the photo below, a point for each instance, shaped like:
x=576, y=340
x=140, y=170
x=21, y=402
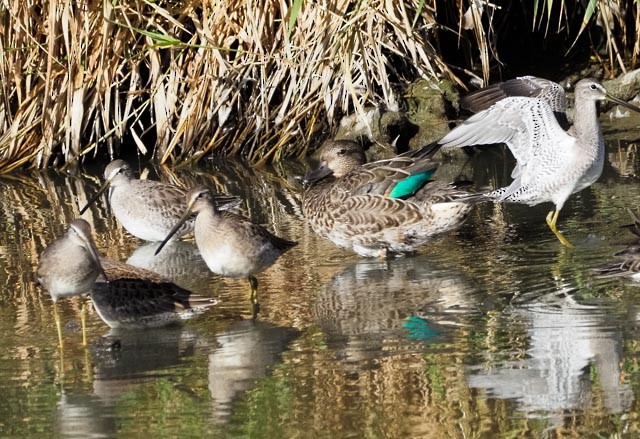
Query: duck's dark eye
x=341, y=151
x=593, y=87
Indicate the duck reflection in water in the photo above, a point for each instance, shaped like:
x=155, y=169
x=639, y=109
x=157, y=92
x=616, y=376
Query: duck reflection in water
x=247, y=351
x=566, y=341
x=367, y=304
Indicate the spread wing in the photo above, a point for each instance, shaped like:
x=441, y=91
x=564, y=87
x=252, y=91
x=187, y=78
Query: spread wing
x=526, y=86
x=526, y=125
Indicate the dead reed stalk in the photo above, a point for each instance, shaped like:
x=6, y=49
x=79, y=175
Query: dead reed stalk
x=179, y=80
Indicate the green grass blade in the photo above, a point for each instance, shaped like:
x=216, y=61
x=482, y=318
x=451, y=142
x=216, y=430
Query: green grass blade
x=419, y=12
x=293, y=16
x=588, y=13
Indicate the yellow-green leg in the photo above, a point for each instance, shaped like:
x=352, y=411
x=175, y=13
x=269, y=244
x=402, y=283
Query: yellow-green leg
x=253, y=298
x=83, y=322
x=552, y=219
x=56, y=316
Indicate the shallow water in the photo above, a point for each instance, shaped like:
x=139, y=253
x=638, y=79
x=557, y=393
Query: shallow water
x=495, y=329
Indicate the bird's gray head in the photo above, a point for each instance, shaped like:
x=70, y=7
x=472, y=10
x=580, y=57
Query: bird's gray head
x=590, y=89
x=118, y=171
x=198, y=197
x=337, y=158
x=80, y=232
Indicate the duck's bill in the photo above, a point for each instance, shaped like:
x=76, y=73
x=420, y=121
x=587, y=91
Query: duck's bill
x=173, y=231
x=319, y=173
x=95, y=197
x=623, y=103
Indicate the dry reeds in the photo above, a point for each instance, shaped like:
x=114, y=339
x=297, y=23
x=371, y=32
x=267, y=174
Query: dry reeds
x=179, y=80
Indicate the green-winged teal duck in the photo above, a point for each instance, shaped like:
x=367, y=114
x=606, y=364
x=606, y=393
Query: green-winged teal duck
x=385, y=206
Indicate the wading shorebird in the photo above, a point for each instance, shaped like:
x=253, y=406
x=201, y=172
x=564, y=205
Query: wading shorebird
x=385, y=206
x=551, y=163
x=69, y=267
x=147, y=209
x=230, y=244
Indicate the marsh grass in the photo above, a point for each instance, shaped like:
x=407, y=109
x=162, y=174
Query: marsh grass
x=260, y=78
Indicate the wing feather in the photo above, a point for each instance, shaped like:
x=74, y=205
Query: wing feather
x=526, y=125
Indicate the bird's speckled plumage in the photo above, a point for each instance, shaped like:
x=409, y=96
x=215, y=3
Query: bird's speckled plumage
x=147, y=209
x=527, y=86
x=552, y=164
x=136, y=298
x=348, y=201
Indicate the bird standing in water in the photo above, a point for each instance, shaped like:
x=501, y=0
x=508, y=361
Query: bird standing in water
x=380, y=207
x=552, y=163
x=69, y=267
x=230, y=244
x=147, y=209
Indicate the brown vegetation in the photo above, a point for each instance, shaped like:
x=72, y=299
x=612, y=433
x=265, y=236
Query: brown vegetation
x=259, y=78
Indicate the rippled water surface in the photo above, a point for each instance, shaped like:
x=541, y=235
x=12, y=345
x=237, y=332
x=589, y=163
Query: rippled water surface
x=494, y=330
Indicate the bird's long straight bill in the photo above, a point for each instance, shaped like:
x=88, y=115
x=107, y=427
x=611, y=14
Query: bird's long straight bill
x=173, y=231
x=95, y=197
x=623, y=103
x=93, y=252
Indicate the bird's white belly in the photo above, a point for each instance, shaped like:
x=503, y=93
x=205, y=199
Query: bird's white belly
x=225, y=261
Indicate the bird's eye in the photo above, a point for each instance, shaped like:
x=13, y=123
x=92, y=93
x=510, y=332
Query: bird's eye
x=593, y=87
x=341, y=151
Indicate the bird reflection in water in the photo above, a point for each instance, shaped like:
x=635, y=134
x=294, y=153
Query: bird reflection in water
x=566, y=341
x=247, y=351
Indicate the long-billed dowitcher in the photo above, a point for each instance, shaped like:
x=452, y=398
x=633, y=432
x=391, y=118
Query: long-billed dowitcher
x=69, y=267
x=147, y=209
x=231, y=245
x=527, y=86
x=384, y=206
x=136, y=298
x=552, y=163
